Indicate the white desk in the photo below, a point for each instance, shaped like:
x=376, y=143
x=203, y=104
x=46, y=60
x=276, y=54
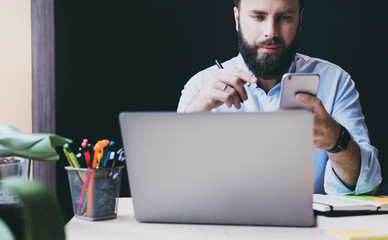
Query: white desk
x=126, y=227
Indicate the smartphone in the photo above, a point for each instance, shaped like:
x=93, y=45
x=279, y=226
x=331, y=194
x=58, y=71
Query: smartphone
x=293, y=83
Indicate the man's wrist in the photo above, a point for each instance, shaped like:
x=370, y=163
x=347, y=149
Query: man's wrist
x=342, y=141
x=197, y=106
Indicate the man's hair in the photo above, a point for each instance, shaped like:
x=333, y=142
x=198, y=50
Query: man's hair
x=301, y=3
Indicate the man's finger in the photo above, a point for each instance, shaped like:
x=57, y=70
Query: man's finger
x=237, y=79
x=233, y=77
x=247, y=77
x=226, y=97
x=221, y=96
x=235, y=96
x=312, y=101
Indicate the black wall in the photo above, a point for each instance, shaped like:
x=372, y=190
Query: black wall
x=126, y=55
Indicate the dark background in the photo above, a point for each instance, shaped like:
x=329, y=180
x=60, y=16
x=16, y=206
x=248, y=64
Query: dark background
x=126, y=55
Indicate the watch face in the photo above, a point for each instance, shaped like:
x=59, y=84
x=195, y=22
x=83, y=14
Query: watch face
x=342, y=142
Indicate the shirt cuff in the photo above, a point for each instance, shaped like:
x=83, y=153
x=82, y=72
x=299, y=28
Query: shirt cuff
x=368, y=180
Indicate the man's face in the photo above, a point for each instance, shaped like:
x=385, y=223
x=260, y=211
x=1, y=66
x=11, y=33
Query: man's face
x=268, y=35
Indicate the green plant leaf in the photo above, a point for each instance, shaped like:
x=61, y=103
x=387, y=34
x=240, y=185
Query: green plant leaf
x=35, y=146
x=43, y=217
x=5, y=233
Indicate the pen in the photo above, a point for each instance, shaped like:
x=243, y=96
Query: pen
x=81, y=158
x=72, y=160
x=108, y=153
x=82, y=197
x=97, y=148
x=111, y=158
x=86, y=152
x=71, y=155
x=68, y=158
x=91, y=152
x=99, y=158
x=221, y=67
x=119, y=157
x=90, y=189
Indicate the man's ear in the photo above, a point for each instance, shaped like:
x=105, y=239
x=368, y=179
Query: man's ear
x=236, y=17
x=300, y=20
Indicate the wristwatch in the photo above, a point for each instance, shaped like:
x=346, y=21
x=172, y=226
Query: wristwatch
x=342, y=141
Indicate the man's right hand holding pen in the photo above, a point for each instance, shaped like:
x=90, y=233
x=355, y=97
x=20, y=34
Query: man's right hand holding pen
x=225, y=86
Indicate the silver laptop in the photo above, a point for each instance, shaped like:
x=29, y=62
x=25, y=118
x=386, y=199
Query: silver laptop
x=220, y=168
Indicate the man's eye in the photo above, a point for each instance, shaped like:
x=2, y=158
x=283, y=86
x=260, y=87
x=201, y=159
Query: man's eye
x=259, y=17
x=286, y=17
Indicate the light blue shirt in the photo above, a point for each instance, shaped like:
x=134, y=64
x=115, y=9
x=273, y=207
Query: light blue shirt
x=341, y=100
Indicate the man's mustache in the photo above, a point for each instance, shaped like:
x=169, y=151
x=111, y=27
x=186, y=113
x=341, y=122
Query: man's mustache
x=270, y=42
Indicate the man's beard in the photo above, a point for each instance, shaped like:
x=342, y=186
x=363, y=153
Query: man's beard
x=268, y=66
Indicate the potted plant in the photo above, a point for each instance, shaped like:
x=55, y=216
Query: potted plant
x=43, y=218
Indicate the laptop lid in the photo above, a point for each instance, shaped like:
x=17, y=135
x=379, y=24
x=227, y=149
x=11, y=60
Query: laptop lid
x=220, y=168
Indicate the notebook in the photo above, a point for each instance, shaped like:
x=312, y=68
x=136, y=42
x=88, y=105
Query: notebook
x=220, y=168
x=328, y=203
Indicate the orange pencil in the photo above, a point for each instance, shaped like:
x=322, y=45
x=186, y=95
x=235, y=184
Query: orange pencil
x=89, y=204
x=71, y=159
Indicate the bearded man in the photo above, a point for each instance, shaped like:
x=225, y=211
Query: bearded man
x=268, y=35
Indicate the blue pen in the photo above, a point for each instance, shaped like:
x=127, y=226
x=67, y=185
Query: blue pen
x=111, y=158
x=108, y=152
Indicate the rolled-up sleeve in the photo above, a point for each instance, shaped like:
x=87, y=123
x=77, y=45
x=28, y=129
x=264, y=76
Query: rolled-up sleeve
x=368, y=180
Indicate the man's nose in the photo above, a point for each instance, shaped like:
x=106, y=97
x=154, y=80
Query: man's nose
x=271, y=29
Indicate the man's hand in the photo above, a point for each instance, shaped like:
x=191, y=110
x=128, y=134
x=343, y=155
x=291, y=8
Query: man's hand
x=326, y=129
x=225, y=86
x=346, y=164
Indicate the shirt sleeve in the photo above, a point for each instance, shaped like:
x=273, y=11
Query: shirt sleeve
x=367, y=182
x=346, y=110
x=192, y=88
x=189, y=91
